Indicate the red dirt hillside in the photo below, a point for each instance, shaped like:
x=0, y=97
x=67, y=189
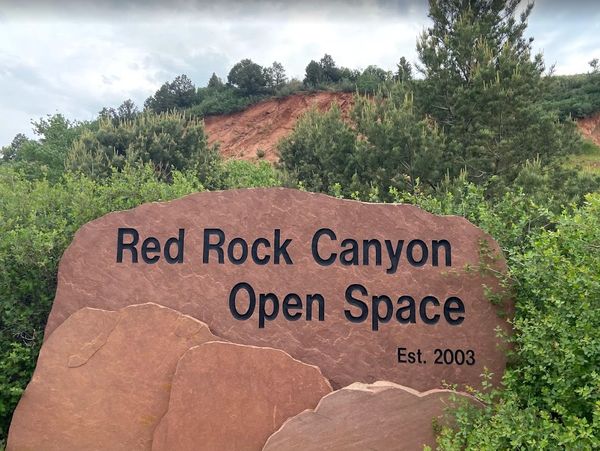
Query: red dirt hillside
x=590, y=128
x=241, y=135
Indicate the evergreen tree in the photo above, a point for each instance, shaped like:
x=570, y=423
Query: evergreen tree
x=11, y=151
x=330, y=71
x=314, y=74
x=404, y=71
x=248, y=76
x=127, y=111
x=215, y=82
x=179, y=93
x=483, y=86
x=319, y=152
x=398, y=149
x=275, y=75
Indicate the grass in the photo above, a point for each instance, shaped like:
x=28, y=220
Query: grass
x=588, y=160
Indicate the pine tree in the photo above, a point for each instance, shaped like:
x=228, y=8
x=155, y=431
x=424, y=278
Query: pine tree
x=215, y=82
x=483, y=86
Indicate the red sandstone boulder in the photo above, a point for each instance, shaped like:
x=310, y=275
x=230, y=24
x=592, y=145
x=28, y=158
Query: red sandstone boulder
x=103, y=378
x=381, y=416
x=365, y=292
x=226, y=396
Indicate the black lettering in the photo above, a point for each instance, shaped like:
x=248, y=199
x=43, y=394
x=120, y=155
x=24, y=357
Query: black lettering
x=352, y=252
x=218, y=247
x=121, y=245
x=288, y=305
x=309, y=302
x=255, y=257
x=376, y=318
x=315, y=247
x=451, y=306
x=263, y=299
x=411, y=256
x=179, y=243
x=402, y=355
x=150, y=246
x=233, y=301
x=367, y=244
x=410, y=308
x=394, y=255
x=281, y=249
x=435, y=245
x=231, y=251
x=364, y=309
x=423, y=310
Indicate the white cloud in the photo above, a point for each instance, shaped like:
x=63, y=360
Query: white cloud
x=78, y=58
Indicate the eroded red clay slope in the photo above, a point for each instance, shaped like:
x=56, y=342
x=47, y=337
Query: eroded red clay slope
x=241, y=135
x=590, y=127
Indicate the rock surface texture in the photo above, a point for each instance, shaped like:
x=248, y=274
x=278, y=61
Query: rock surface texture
x=102, y=380
x=346, y=352
x=381, y=417
x=233, y=397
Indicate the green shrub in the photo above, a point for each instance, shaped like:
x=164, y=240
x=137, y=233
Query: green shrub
x=170, y=141
x=573, y=96
x=223, y=100
x=551, y=395
x=37, y=222
x=245, y=174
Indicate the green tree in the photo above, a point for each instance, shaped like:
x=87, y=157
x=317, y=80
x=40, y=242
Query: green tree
x=399, y=150
x=403, y=71
x=215, y=82
x=483, y=86
x=11, y=151
x=324, y=71
x=386, y=145
x=371, y=79
x=179, y=93
x=127, y=111
x=275, y=75
x=313, y=74
x=247, y=76
x=320, y=150
x=45, y=157
x=331, y=72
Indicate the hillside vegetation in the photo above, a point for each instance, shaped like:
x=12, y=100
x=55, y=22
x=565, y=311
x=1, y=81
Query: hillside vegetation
x=482, y=132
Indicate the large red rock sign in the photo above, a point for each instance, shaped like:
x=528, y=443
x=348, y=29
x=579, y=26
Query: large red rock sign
x=365, y=292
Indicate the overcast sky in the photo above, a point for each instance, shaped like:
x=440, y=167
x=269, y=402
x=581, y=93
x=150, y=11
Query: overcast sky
x=77, y=57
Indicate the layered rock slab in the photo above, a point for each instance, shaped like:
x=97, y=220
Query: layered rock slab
x=102, y=380
x=380, y=417
x=91, y=275
x=226, y=396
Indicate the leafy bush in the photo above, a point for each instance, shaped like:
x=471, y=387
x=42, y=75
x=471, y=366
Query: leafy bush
x=170, y=141
x=223, y=100
x=37, y=223
x=46, y=156
x=551, y=395
x=244, y=174
x=320, y=150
